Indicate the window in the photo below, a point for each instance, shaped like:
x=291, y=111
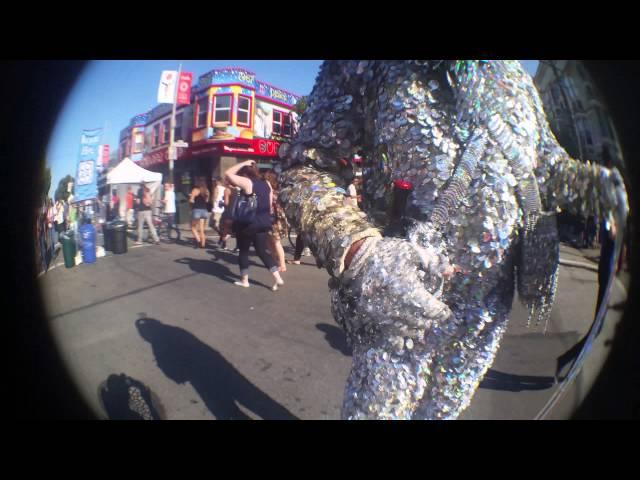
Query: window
x=610, y=129
x=203, y=105
x=286, y=129
x=244, y=111
x=555, y=93
x=156, y=134
x=277, y=122
x=222, y=109
x=604, y=125
x=166, y=131
x=587, y=136
x=281, y=123
x=139, y=142
x=177, y=131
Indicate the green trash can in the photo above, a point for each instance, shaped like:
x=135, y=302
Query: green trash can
x=68, y=248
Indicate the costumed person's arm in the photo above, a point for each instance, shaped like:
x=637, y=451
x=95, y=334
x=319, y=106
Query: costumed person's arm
x=582, y=188
x=243, y=182
x=308, y=189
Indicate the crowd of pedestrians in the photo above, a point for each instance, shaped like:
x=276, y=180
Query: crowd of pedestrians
x=52, y=219
x=264, y=231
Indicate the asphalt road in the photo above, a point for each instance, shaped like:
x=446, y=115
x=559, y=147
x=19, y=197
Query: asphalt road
x=169, y=316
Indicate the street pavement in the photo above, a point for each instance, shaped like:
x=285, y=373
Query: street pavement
x=170, y=317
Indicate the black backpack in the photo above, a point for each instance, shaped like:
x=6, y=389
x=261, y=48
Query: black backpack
x=244, y=208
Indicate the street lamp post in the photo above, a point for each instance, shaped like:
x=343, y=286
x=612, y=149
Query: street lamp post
x=172, y=126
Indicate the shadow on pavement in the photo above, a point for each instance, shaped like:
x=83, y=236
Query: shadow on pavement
x=184, y=358
x=125, y=398
x=232, y=257
x=335, y=337
x=495, y=380
x=210, y=267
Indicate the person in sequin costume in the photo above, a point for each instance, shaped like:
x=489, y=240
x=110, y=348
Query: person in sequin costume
x=425, y=310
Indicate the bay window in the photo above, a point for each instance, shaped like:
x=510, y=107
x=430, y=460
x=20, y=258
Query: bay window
x=222, y=109
x=203, y=105
x=243, y=114
x=166, y=125
x=177, y=132
x=281, y=123
x=139, y=142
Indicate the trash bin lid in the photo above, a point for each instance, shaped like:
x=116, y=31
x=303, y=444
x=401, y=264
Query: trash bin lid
x=118, y=224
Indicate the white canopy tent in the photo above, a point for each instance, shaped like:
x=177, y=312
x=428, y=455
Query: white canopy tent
x=128, y=174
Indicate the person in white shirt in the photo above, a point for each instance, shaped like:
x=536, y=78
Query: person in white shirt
x=169, y=201
x=218, y=205
x=351, y=198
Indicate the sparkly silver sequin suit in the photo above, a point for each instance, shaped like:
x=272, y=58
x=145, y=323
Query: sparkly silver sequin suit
x=487, y=175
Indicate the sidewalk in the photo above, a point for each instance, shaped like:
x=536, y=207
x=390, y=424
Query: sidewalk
x=591, y=256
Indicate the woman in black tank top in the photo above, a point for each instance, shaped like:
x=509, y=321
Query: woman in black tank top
x=199, y=214
x=246, y=176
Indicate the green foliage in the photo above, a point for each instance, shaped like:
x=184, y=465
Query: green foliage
x=301, y=105
x=61, y=191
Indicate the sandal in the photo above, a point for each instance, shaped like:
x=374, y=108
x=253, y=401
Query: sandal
x=294, y=262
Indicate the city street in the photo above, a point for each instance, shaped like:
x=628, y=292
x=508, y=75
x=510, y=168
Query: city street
x=170, y=317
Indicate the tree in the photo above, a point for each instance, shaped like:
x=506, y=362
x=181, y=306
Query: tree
x=301, y=105
x=61, y=191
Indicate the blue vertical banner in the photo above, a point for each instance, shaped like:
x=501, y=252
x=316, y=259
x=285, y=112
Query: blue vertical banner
x=86, y=187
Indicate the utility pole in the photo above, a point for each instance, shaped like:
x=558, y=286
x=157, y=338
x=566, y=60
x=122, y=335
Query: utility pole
x=554, y=67
x=172, y=149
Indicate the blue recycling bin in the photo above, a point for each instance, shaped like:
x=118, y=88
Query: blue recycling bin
x=88, y=243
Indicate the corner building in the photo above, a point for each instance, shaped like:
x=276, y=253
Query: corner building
x=235, y=118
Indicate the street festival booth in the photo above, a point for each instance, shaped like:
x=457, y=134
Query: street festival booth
x=128, y=174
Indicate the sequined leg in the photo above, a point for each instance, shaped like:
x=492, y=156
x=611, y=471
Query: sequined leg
x=383, y=385
x=463, y=353
x=457, y=372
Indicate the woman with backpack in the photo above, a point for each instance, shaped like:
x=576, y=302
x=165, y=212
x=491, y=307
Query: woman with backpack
x=252, y=224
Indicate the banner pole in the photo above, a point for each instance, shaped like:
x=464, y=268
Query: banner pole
x=172, y=150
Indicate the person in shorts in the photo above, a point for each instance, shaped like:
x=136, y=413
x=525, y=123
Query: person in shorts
x=199, y=214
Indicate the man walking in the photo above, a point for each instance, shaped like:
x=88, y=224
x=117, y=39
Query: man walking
x=129, y=205
x=170, y=207
x=144, y=215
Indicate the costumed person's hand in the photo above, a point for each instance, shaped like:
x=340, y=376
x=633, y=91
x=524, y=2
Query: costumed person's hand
x=387, y=301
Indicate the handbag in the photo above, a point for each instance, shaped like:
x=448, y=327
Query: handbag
x=245, y=208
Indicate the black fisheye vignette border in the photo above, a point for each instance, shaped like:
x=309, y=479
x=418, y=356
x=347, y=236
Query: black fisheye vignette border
x=41, y=386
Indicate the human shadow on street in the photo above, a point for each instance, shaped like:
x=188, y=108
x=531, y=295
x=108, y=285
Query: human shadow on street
x=230, y=257
x=125, y=398
x=184, y=358
x=494, y=380
x=210, y=267
x=336, y=337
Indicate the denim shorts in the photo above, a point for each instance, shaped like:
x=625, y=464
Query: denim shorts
x=198, y=213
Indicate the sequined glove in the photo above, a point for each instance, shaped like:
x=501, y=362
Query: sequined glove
x=314, y=205
x=387, y=301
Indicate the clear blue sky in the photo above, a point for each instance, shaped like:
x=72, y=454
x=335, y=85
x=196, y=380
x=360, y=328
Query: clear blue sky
x=108, y=93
